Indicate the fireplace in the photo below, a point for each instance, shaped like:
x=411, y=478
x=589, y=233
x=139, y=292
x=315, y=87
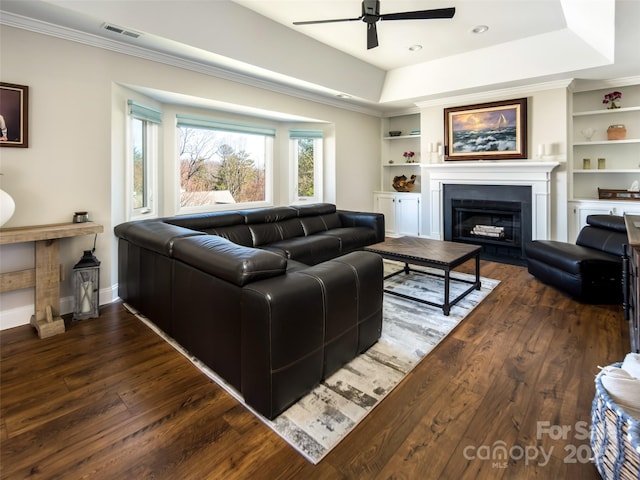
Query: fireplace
x=496, y=217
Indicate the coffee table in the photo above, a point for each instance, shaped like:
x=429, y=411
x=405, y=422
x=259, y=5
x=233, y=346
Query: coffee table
x=437, y=254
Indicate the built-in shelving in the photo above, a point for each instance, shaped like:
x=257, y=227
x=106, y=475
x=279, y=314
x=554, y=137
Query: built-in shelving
x=393, y=148
x=400, y=137
x=621, y=157
x=606, y=111
x=607, y=142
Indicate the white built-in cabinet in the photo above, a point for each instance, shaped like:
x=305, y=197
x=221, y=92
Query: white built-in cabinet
x=621, y=164
x=401, y=212
x=580, y=210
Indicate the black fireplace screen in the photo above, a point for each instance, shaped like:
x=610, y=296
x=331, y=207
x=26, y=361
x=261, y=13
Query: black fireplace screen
x=497, y=217
x=486, y=221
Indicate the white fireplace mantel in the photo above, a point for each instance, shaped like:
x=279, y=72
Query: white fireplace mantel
x=533, y=173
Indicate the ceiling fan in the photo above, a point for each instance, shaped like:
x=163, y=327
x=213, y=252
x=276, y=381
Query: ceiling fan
x=371, y=14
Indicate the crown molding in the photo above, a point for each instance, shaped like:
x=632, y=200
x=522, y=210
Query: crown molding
x=486, y=95
x=589, y=85
x=44, y=28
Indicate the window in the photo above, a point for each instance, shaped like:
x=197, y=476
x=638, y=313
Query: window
x=306, y=165
x=142, y=159
x=223, y=163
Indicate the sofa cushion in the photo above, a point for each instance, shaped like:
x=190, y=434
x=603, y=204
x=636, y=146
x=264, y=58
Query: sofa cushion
x=269, y=215
x=205, y=221
x=291, y=228
x=610, y=222
x=265, y=233
x=352, y=238
x=599, y=239
x=315, y=209
x=239, y=234
x=234, y=263
x=310, y=250
x=331, y=220
x=312, y=225
x=320, y=223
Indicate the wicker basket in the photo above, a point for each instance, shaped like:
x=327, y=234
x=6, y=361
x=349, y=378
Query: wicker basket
x=615, y=437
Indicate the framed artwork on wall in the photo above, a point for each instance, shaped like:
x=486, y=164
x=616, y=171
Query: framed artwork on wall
x=495, y=131
x=14, y=115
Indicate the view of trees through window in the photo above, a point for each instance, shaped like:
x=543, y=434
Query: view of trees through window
x=139, y=163
x=221, y=167
x=305, y=167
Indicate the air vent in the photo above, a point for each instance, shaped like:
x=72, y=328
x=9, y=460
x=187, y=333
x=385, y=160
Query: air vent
x=120, y=30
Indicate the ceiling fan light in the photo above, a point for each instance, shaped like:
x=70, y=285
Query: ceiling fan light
x=479, y=29
x=415, y=48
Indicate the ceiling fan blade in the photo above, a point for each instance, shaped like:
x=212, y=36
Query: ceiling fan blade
x=372, y=36
x=421, y=14
x=311, y=22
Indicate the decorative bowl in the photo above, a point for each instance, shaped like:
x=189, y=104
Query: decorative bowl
x=395, y=133
x=401, y=184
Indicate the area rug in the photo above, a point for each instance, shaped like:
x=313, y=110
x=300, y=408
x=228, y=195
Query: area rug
x=410, y=330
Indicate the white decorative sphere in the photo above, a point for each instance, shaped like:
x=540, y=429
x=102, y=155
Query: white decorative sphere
x=7, y=207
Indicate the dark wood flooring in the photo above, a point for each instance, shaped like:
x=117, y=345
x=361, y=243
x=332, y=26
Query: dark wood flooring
x=109, y=399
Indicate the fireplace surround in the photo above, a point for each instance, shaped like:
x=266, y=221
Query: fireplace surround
x=531, y=173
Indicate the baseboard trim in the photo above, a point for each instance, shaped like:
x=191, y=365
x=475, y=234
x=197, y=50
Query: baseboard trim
x=18, y=316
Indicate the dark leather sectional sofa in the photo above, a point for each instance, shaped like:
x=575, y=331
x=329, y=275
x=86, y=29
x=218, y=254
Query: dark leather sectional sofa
x=273, y=300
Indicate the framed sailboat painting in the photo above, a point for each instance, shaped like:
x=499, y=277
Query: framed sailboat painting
x=487, y=131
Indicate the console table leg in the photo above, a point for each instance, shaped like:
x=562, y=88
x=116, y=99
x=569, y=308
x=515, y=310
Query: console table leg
x=47, y=320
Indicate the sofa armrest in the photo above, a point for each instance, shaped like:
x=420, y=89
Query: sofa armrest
x=371, y=220
x=226, y=260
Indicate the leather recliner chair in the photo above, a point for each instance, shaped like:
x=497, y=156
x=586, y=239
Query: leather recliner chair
x=589, y=270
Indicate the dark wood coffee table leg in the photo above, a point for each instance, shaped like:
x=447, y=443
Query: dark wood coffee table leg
x=446, y=306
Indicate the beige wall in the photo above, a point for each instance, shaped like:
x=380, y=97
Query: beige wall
x=75, y=160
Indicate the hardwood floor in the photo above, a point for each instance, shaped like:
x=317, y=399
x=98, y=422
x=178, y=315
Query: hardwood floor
x=110, y=399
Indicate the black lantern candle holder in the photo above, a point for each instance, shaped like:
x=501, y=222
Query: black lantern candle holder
x=86, y=287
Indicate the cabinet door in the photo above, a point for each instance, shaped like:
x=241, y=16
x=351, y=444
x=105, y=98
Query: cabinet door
x=386, y=204
x=408, y=215
x=584, y=212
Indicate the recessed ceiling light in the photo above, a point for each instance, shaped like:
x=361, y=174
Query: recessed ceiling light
x=415, y=48
x=343, y=95
x=479, y=29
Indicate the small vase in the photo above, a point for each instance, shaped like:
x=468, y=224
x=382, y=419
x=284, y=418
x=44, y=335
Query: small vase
x=613, y=106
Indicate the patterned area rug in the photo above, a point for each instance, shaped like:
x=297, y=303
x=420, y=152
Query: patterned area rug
x=410, y=330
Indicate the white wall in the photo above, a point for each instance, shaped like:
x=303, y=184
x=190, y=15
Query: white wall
x=75, y=160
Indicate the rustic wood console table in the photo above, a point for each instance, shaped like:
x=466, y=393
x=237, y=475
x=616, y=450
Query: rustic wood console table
x=46, y=275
